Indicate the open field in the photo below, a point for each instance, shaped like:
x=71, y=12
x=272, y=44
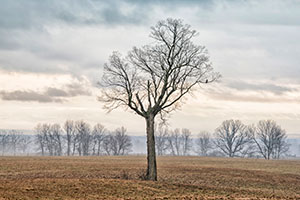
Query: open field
x=118, y=177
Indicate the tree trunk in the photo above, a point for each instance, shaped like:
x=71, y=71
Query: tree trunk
x=99, y=143
x=68, y=145
x=151, y=156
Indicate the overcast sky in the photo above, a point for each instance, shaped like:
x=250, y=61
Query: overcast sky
x=52, y=53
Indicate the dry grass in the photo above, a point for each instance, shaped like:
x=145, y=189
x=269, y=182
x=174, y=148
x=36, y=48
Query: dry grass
x=119, y=178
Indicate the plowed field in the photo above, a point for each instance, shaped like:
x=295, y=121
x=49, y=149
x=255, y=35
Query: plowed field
x=120, y=178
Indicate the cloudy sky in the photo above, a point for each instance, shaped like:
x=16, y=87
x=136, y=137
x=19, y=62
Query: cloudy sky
x=52, y=53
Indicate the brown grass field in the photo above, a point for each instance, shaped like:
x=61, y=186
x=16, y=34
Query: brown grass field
x=119, y=178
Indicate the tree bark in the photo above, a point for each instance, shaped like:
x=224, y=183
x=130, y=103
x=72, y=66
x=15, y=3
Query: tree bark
x=151, y=156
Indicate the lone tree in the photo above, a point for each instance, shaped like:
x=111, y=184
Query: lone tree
x=152, y=80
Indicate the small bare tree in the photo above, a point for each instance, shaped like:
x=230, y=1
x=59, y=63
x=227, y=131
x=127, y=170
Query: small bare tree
x=270, y=139
x=203, y=144
x=231, y=137
x=41, y=138
x=69, y=128
x=186, y=141
x=14, y=140
x=24, y=143
x=250, y=149
x=98, y=136
x=107, y=145
x=83, y=137
x=175, y=142
x=4, y=141
x=154, y=79
x=161, y=140
x=180, y=142
x=49, y=138
x=120, y=142
x=56, y=139
x=281, y=145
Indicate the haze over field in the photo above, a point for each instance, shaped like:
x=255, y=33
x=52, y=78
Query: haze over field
x=52, y=54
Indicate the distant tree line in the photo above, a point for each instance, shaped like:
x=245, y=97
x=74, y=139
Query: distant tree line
x=173, y=142
x=232, y=139
x=73, y=138
x=14, y=141
x=79, y=138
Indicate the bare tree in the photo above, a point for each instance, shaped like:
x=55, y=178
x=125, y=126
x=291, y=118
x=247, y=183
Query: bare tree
x=203, y=144
x=186, y=141
x=98, y=138
x=83, y=130
x=180, y=143
x=281, y=146
x=56, y=139
x=175, y=142
x=231, y=137
x=270, y=139
x=24, y=143
x=14, y=140
x=49, y=138
x=154, y=79
x=107, y=143
x=69, y=128
x=41, y=137
x=4, y=141
x=120, y=142
x=250, y=149
x=161, y=138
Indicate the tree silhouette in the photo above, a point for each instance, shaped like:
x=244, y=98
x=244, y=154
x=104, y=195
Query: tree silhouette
x=153, y=79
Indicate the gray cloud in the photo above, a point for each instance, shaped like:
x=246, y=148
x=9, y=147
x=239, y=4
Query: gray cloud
x=77, y=89
x=29, y=14
x=234, y=97
x=241, y=91
x=54, y=92
x=264, y=87
x=28, y=96
x=49, y=95
x=236, y=39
